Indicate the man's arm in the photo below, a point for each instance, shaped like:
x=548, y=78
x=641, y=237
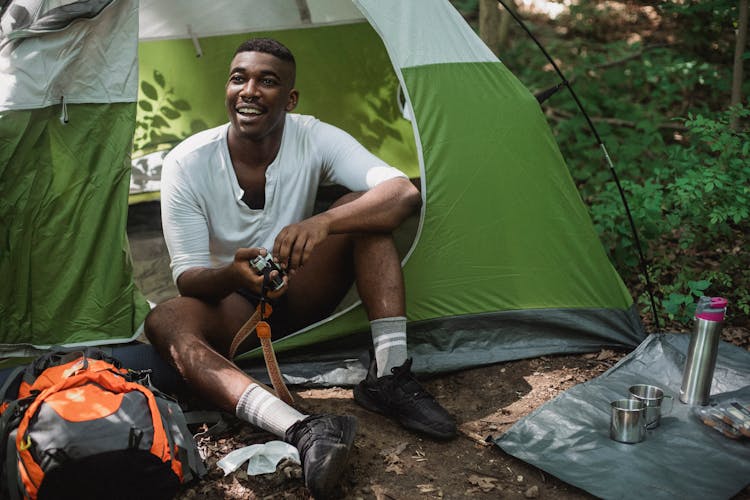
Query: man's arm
x=213, y=284
x=380, y=209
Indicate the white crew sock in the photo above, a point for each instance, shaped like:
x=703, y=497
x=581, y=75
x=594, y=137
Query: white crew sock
x=389, y=339
x=264, y=410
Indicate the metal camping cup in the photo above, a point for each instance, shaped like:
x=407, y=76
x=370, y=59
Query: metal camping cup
x=702, y=352
x=628, y=421
x=652, y=398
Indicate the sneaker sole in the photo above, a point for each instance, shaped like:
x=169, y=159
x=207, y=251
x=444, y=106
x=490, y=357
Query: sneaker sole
x=323, y=486
x=366, y=402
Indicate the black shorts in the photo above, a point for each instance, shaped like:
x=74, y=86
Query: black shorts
x=281, y=325
x=251, y=297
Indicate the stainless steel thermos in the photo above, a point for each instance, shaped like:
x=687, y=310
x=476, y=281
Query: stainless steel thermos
x=704, y=346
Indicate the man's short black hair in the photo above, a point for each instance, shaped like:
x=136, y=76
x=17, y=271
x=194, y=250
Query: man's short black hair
x=267, y=46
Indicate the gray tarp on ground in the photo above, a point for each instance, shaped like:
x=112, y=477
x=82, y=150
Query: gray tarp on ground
x=682, y=458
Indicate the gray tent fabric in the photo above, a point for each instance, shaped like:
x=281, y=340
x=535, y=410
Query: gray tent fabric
x=25, y=18
x=456, y=343
x=682, y=458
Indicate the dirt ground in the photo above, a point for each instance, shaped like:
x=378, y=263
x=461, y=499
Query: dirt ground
x=389, y=462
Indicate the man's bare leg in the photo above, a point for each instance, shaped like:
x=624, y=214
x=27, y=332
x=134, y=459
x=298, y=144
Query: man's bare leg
x=390, y=388
x=185, y=331
x=188, y=331
x=380, y=284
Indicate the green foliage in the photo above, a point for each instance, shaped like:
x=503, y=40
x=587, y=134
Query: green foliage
x=688, y=210
x=713, y=173
x=704, y=20
x=660, y=106
x=682, y=306
x=158, y=108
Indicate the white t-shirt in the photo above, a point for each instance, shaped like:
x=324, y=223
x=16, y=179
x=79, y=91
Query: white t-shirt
x=203, y=216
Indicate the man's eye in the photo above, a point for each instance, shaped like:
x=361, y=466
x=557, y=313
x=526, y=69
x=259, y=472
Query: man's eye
x=235, y=79
x=268, y=82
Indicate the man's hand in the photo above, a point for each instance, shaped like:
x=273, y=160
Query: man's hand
x=214, y=284
x=295, y=242
x=249, y=276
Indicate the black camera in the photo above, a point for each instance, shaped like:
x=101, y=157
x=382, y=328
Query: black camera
x=263, y=265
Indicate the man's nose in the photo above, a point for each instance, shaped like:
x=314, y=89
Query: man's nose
x=251, y=88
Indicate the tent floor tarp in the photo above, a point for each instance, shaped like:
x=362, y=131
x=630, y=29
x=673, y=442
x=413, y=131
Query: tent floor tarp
x=681, y=458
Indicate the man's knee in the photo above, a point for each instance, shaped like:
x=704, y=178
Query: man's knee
x=165, y=319
x=172, y=329
x=153, y=326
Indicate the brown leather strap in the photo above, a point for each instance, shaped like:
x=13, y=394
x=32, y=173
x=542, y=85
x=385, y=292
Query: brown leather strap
x=274, y=372
x=264, y=334
x=244, y=332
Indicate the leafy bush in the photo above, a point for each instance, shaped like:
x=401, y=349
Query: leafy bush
x=659, y=102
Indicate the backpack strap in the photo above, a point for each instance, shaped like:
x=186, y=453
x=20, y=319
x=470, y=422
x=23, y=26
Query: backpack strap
x=181, y=440
x=8, y=424
x=11, y=473
x=14, y=377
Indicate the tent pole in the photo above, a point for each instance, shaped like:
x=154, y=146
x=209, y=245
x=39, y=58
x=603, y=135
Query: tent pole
x=564, y=81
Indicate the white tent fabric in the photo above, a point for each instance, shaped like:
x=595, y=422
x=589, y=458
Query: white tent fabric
x=91, y=61
x=409, y=43
x=174, y=19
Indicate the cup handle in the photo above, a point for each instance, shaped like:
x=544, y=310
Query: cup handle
x=671, y=404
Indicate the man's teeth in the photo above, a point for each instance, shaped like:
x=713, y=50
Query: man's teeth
x=249, y=111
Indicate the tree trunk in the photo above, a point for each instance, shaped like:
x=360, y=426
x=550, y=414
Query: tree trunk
x=739, y=50
x=489, y=24
x=505, y=20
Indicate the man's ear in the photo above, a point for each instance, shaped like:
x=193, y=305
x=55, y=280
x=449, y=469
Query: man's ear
x=291, y=103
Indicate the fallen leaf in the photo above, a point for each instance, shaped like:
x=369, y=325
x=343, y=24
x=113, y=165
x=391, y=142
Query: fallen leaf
x=427, y=488
x=483, y=482
x=605, y=354
x=532, y=492
x=397, y=450
x=380, y=492
x=396, y=469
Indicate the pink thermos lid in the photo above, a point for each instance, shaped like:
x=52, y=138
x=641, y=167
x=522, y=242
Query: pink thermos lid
x=711, y=308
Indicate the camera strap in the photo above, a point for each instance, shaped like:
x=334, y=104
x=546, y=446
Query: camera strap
x=258, y=323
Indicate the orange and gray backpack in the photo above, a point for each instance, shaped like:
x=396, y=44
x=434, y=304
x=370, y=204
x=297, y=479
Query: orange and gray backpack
x=79, y=425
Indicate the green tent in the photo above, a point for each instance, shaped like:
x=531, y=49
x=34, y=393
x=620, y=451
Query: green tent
x=68, y=85
x=505, y=262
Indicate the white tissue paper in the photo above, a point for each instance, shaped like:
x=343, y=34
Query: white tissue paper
x=261, y=458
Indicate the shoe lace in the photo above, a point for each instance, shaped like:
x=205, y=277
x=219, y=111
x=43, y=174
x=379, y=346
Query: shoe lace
x=316, y=429
x=404, y=378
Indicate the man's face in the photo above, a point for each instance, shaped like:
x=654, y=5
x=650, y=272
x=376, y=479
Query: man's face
x=259, y=93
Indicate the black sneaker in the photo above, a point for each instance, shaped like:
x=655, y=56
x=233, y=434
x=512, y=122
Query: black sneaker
x=400, y=396
x=323, y=442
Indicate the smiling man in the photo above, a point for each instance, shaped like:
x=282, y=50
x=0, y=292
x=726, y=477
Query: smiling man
x=248, y=187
